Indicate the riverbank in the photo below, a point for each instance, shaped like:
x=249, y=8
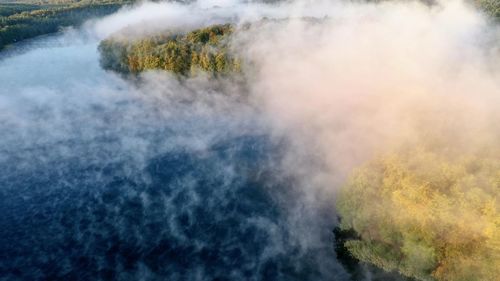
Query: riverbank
x=19, y=22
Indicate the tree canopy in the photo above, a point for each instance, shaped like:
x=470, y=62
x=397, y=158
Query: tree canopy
x=206, y=49
x=426, y=215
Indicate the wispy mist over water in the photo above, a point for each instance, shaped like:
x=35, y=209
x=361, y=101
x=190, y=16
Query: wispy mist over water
x=107, y=179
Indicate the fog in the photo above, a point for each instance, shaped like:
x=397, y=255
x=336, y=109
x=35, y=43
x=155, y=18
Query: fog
x=376, y=77
x=196, y=179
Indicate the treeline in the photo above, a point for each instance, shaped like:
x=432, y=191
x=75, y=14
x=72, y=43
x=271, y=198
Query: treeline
x=425, y=215
x=14, y=8
x=205, y=49
x=23, y=21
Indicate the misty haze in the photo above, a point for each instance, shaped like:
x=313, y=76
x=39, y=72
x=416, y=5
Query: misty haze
x=297, y=140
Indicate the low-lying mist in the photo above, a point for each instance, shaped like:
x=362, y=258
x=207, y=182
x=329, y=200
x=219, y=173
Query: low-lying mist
x=161, y=177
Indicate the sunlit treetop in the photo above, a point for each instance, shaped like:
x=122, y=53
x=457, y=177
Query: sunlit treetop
x=206, y=49
x=426, y=215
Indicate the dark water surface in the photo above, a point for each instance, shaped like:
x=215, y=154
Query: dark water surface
x=102, y=179
x=97, y=183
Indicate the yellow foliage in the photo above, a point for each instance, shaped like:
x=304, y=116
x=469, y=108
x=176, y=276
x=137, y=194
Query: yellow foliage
x=440, y=214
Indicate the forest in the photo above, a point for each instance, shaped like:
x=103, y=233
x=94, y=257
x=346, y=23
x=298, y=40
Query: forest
x=204, y=49
x=427, y=215
x=20, y=21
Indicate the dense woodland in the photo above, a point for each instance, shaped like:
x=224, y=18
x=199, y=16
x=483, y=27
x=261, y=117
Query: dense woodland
x=203, y=49
x=428, y=216
x=20, y=21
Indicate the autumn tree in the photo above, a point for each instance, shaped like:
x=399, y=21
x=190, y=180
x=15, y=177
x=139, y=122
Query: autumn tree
x=426, y=215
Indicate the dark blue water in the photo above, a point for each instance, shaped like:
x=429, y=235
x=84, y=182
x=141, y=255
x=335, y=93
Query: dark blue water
x=186, y=216
x=101, y=179
x=105, y=179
